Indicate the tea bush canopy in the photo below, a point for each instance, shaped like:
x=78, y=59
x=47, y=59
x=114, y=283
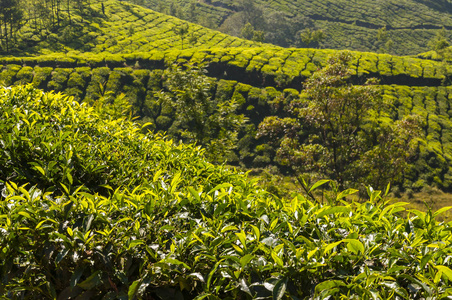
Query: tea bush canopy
x=398, y=27
x=90, y=207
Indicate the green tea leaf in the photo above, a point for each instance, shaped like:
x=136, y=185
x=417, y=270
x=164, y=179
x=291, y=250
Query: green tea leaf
x=176, y=262
x=334, y=210
x=441, y=210
x=133, y=289
x=345, y=193
x=242, y=237
x=40, y=169
x=331, y=246
x=277, y=259
x=211, y=273
x=175, y=182
x=318, y=183
x=246, y=259
x=92, y=281
x=329, y=284
x=135, y=243
x=279, y=289
x=228, y=228
x=354, y=245
x=445, y=271
x=194, y=193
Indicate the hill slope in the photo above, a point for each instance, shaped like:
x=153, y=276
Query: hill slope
x=353, y=25
x=119, y=27
x=134, y=61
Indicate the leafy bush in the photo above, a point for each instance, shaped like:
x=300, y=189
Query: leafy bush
x=59, y=79
x=41, y=75
x=111, y=213
x=25, y=75
x=8, y=74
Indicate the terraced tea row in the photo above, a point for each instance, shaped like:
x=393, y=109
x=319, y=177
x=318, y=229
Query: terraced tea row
x=110, y=212
x=140, y=85
x=435, y=154
x=392, y=13
x=347, y=24
x=258, y=66
x=120, y=27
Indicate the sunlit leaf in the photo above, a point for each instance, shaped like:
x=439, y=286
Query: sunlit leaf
x=445, y=271
x=346, y=193
x=442, y=210
x=318, y=183
x=354, y=245
x=334, y=210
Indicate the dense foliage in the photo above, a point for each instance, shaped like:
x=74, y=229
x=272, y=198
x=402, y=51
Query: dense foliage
x=44, y=26
x=357, y=25
x=95, y=206
x=106, y=26
x=342, y=131
x=258, y=78
x=158, y=221
x=197, y=116
x=260, y=81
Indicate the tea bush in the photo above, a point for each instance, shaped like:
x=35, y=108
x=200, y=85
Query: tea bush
x=92, y=208
x=354, y=26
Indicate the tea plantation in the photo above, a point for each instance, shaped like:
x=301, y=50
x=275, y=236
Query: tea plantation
x=354, y=25
x=93, y=208
x=100, y=199
x=254, y=77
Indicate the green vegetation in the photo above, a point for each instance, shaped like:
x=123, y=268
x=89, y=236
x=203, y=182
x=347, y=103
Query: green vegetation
x=110, y=212
x=410, y=24
x=211, y=123
x=342, y=131
x=93, y=205
x=109, y=27
x=259, y=80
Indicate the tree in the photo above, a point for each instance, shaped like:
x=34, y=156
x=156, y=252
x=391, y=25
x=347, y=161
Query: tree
x=10, y=17
x=279, y=28
x=252, y=13
x=182, y=31
x=439, y=43
x=312, y=38
x=341, y=131
x=247, y=31
x=198, y=116
x=384, y=43
x=192, y=12
x=258, y=36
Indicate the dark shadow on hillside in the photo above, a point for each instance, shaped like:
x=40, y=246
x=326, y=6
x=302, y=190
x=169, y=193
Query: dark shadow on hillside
x=255, y=78
x=439, y=5
x=70, y=34
x=223, y=70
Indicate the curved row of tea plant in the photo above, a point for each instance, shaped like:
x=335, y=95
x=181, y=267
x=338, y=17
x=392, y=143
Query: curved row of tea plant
x=251, y=64
x=346, y=25
x=140, y=83
x=119, y=27
x=53, y=142
x=156, y=220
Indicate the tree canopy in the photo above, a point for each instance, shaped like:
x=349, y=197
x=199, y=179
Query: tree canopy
x=342, y=131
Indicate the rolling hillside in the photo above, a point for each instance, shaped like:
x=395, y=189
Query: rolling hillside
x=119, y=27
x=133, y=57
x=352, y=25
x=100, y=199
